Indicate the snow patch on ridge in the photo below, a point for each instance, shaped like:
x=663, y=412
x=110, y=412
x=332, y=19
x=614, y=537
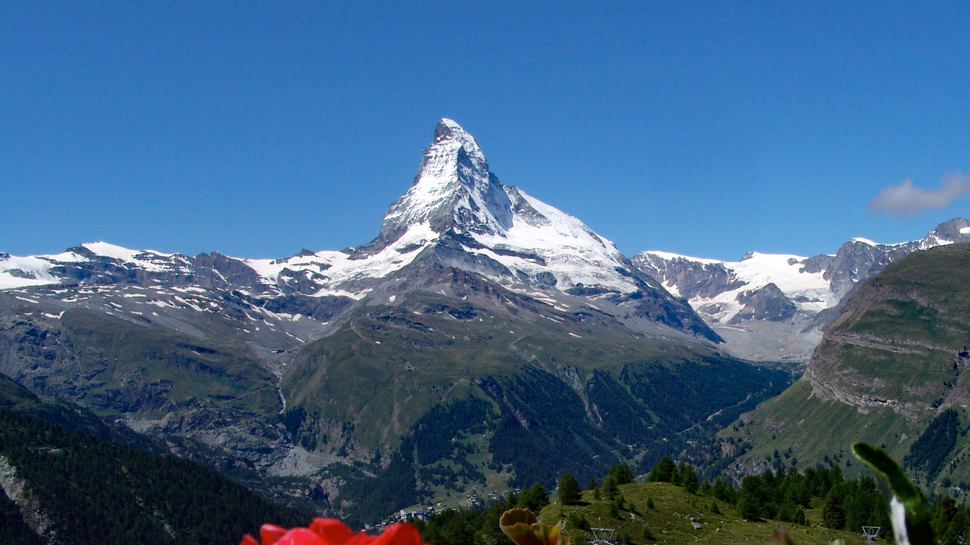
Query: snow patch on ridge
x=29, y=271
x=572, y=252
x=336, y=269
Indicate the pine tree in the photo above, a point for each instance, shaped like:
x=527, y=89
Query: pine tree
x=722, y=490
x=569, y=493
x=534, y=498
x=833, y=513
x=621, y=473
x=664, y=471
x=688, y=479
x=610, y=487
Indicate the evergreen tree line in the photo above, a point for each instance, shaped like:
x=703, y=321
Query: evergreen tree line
x=95, y=491
x=479, y=527
x=782, y=496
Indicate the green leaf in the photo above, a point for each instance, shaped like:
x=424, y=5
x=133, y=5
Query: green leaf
x=910, y=519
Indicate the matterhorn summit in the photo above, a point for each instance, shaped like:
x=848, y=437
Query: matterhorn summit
x=457, y=205
x=453, y=190
x=456, y=215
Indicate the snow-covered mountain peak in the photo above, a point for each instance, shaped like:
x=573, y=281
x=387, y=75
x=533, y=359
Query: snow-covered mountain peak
x=955, y=230
x=105, y=249
x=861, y=240
x=453, y=156
x=449, y=135
x=453, y=191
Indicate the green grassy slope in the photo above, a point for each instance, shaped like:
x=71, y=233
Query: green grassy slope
x=886, y=370
x=672, y=518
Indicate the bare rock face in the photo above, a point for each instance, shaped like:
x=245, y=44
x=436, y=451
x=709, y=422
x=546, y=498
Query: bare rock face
x=692, y=279
x=17, y=490
x=767, y=303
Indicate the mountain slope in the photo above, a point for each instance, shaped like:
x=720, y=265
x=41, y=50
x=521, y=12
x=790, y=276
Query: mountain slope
x=73, y=488
x=774, y=306
x=570, y=384
x=477, y=308
x=891, y=370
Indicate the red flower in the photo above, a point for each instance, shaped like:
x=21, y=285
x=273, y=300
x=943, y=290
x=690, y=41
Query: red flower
x=333, y=532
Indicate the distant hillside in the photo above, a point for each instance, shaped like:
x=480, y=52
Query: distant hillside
x=450, y=398
x=70, y=487
x=774, y=307
x=825, y=506
x=16, y=398
x=891, y=370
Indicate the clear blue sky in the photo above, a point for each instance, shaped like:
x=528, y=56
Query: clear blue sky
x=258, y=129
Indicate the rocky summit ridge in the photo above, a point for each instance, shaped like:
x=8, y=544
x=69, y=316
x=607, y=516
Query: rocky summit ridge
x=453, y=190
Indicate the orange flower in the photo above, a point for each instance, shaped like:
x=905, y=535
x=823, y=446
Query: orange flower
x=333, y=532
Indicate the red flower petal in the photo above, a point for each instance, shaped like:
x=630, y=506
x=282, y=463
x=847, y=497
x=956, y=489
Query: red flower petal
x=361, y=539
x=332, y=531
x=248, y=540
x=300, y=536
x=270, y=533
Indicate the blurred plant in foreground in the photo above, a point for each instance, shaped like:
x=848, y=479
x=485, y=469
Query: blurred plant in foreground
x=522, y=527
x=333, y=532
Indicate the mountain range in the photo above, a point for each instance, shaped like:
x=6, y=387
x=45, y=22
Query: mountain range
x=479, y=328
x=774, y=307
x=891, y=370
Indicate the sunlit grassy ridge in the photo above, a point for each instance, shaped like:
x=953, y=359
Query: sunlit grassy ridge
x=886, y=370
x=672, y=518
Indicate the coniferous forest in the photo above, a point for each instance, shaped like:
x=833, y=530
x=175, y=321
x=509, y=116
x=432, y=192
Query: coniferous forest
x=772, y=497
x=88, y=490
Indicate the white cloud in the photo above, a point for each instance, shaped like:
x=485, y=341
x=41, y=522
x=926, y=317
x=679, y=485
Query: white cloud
x=906, y=200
